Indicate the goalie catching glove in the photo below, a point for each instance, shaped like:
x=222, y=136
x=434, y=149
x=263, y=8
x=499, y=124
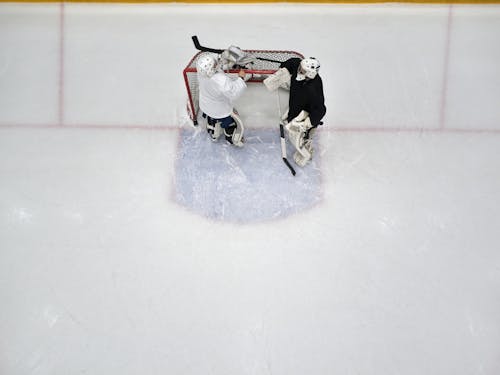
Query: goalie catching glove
x=281, y=78
x=235, y=57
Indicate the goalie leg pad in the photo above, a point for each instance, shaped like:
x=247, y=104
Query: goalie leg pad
x=213, y=128
x=304, y=154
x=237, y=137
x=233, y=129
x=298, y=131
x=310, y=133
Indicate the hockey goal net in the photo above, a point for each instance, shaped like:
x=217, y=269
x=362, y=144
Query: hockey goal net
x=259, y=70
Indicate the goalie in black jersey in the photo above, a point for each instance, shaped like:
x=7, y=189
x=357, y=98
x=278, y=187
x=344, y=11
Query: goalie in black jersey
x=306, y=105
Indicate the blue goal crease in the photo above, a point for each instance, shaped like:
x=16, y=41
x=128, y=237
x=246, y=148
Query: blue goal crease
x=243, y=185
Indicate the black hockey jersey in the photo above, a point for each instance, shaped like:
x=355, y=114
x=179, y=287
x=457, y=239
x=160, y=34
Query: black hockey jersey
x=305, y=95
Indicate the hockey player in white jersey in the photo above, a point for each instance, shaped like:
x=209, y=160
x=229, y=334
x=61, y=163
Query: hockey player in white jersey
x=217, y=94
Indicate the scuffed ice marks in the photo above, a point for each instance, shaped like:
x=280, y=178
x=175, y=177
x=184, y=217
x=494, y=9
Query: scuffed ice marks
x=249, y=184
x=22, y=215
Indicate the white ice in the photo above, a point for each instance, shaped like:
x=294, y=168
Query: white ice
x=395, y=271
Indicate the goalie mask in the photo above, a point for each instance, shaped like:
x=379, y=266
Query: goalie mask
x=207, y=64
x=308, y=68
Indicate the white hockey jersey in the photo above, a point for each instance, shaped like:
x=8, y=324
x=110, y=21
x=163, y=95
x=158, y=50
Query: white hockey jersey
x=218, y=92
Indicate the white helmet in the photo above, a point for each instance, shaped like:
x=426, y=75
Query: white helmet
x=207, y=64
x=308, y=69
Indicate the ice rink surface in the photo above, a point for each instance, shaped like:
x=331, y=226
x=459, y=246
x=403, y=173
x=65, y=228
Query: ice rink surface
x=382, y=257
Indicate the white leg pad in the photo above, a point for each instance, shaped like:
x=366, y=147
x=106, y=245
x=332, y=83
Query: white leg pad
x=214, y=130
x=237, y=137
x=217, y=130
x=304, y=154
x=296, y=134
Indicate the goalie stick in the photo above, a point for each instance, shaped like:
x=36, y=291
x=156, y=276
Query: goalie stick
x=282, y=135
x=283, y=150
x=199, y=47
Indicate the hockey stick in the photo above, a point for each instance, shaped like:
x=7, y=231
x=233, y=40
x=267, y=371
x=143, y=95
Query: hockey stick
x=199, y=47
x=282, y=135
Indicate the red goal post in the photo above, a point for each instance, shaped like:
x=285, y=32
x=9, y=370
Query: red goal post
x=259, y=70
